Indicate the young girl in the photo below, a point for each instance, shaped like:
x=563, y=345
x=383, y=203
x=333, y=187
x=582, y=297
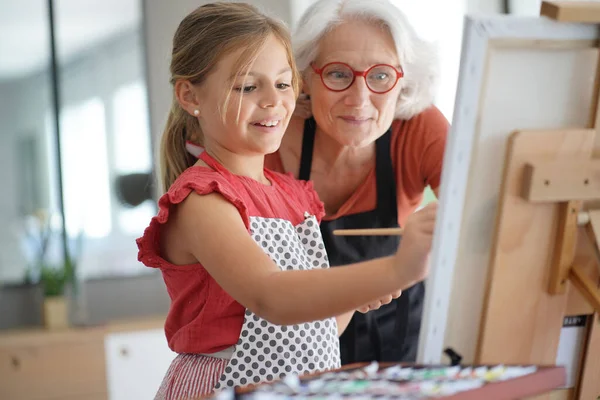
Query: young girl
x=239, y=246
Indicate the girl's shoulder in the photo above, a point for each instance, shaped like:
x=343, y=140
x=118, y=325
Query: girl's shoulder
x=197, y=179
x=202, y=180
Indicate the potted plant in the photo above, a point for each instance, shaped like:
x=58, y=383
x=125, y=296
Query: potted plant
x=55, y=280
x=55, y=306
x=51, y=274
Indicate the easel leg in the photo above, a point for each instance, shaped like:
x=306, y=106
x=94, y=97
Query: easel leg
x=589, y=383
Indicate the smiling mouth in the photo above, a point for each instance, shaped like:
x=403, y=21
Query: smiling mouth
x=267, y=123
x=354, y=120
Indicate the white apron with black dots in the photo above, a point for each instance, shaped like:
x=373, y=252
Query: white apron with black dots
x=266, y=351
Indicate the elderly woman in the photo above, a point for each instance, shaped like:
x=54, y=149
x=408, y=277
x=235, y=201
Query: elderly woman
x=373, y=145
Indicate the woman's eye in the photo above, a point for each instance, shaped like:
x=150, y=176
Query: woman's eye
x=283, y=86
x=381, y=76
x=337, y=75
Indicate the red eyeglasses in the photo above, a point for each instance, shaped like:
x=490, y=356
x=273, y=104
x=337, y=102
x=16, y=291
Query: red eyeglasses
x=337, y=76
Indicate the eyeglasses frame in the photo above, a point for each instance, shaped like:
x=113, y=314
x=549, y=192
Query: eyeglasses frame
x=355, y=73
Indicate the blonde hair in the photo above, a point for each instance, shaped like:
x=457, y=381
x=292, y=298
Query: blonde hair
x=209, y=33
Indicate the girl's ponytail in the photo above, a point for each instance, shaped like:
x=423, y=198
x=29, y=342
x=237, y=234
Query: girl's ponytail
x=174, y=158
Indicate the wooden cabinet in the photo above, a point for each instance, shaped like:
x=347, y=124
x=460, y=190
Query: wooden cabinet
x=113, y=362
x=40, y=365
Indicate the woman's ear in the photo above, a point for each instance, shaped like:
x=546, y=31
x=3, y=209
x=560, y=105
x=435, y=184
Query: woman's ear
x=187, y=96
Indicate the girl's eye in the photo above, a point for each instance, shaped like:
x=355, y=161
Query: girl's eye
x=283, y=86
x=246, y=89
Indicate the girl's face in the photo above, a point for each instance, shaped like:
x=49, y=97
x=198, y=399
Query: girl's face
x=260, y=105
x=356, y=116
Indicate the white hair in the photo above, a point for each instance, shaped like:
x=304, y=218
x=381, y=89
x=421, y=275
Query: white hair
x=418, y=58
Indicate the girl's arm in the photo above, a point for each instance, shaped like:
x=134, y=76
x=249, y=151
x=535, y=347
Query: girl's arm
x=216, y=236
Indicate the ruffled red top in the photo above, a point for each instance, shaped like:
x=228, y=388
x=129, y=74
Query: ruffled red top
x=203, y=318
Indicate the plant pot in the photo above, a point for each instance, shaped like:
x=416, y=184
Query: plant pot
x=56, y=313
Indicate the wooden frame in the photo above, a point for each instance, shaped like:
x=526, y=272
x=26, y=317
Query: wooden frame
x=571, y=11
x=455, y=288
x=483, y=220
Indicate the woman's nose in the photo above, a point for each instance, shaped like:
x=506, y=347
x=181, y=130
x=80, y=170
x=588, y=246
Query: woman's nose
x=357, y=95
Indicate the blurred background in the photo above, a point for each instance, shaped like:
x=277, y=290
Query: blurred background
x=84, y=95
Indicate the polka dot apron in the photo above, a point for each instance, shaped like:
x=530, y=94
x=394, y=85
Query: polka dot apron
x=266, y=351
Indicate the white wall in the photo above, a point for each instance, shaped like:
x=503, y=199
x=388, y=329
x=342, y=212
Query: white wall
x=485, y=6
x=444, y=29
x=298, y=7
x=520, y=7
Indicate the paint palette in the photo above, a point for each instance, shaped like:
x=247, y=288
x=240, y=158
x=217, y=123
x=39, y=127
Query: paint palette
x=395, y=381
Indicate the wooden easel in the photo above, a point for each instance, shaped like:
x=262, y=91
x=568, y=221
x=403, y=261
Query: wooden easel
x=547, y=236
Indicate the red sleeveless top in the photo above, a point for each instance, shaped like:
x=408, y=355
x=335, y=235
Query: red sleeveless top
x=203, y=318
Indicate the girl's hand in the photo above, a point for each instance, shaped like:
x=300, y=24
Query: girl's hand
x=303, y=108
x=413, y=253
x=384, y=300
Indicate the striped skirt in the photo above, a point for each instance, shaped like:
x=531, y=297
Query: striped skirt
x=191, y=376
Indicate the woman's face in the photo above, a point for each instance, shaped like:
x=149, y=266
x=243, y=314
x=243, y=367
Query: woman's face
x=355, y=117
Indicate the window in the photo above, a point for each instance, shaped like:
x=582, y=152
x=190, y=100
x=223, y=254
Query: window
x=131, y=129
x=104, y=137
x=132, y=150
x=86, y=186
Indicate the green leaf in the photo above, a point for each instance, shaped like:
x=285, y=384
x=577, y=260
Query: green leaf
x=54, y=280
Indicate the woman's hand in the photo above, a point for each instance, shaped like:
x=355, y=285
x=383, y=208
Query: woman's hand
x=376, y=304
x=413, y=253
x=303, y=108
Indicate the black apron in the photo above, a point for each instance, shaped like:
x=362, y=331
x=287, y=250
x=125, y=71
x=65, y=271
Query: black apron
x=390, y=333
